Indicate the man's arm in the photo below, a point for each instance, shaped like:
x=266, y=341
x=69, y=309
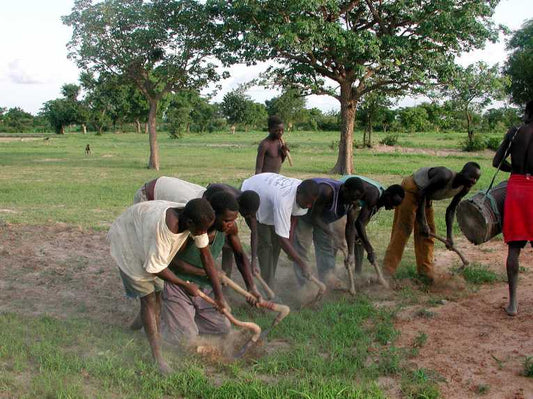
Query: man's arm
x=260, y=160
x=501, y=152
x=450, y=214
x=291, y=252
x=209, y=266
x=167, y=275
x=360, y=225
x=324, y=198
x=241, y=260
x=184, y=267
x=252, y=224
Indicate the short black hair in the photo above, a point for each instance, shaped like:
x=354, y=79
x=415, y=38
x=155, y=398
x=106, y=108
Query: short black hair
x=309, y=188
x=471, y=165
x=354, y=184
x=248, y=202
x=274, y=120
x=395, y=189
x=200, y=212
x=223, y=201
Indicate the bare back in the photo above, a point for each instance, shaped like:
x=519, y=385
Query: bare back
x=522, y=150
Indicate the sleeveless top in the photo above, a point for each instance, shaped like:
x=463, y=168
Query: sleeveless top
x=336, y=210
x=368, y=180
x=191, y=255
x=421, y=178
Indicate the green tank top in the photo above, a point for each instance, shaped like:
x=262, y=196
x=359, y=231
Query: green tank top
x=191, y=255
x=367, y=180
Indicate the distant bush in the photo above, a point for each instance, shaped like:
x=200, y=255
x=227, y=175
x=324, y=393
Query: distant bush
x=390, y=139
x=493, y=143
x=476, y=144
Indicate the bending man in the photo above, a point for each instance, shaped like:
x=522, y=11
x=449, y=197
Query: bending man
x=416, y=212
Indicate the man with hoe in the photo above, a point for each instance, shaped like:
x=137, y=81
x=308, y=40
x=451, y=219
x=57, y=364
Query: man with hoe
x=426, y=185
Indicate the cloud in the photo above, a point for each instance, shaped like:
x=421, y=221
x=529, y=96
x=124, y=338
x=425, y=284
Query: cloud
x=24, y=72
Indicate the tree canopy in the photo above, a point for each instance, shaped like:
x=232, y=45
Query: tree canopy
x=347, y=49
x=161, y=46
x=519, y=66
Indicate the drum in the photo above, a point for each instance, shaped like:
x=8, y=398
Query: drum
x=481, y=217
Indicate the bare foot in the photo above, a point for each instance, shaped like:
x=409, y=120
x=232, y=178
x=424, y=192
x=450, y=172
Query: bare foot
x=511, y=310
x=164, y=368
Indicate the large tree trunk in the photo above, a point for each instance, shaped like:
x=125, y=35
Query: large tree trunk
x=152, y=135
x=62, y=130
x=344, y=165
x=84, y=128
x=137, y=126
x=468, y=124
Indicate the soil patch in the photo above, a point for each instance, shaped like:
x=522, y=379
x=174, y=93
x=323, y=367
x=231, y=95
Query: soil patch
x=66, y=271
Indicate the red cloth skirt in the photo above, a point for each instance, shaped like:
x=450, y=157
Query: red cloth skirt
x=518, y=209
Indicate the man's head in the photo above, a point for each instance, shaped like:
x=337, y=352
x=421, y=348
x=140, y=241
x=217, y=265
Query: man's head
x=198, y=216
x=248, y=203
x=306, y=193
x=470, y=174
x=352, y=190
x=226, y=210
x=275, y=126
x=393, y=196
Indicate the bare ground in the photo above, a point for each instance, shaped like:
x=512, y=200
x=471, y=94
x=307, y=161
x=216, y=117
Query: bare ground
x=66, y=271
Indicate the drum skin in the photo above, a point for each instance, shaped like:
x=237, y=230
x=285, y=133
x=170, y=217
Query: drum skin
x=480, y=218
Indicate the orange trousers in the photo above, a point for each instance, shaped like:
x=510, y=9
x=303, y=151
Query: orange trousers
x=402, y=226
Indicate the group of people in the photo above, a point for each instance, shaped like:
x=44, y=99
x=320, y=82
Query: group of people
x=166, y=243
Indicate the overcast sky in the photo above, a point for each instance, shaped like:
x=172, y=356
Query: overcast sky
x=34, y=63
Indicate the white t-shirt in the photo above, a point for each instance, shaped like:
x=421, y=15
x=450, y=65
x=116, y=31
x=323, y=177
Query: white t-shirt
x=176, y=190
x=278, y=200
x=141, y=242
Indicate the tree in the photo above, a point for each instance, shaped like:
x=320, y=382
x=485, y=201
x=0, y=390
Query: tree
x=348, y=49
x=15, y=120
x=64, y=111
x=161, y=46
x=234, y=106
x=372, y=108
x=519, y=66
x=289, y=106
x=473, y=88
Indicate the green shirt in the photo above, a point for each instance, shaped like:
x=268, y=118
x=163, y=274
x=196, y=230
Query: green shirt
x=191, y=255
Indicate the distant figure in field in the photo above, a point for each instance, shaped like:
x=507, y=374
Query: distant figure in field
x=518, y=208
x=426, y=185
x=272, y=150
x=144, y=240
x=87, y=149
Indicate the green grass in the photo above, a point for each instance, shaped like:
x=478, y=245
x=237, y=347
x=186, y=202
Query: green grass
x=528, y=366
x=480, y=274
x=339, y=350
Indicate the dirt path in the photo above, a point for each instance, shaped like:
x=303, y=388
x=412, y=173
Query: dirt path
x=67, y=272
x=472, y=343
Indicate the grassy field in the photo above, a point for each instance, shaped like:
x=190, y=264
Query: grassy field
x=49, y=181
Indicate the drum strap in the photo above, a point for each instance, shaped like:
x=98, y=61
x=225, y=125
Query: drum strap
x=493, y=203
x=503, y=159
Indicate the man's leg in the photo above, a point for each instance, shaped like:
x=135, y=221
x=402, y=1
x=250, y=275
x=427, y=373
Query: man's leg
x=148, y=315
x=512, y=275
x=208, y=319
x=265, y=252
x=402, y=226
x=177, y=314
x=303, y=236
x=424, y=247
x=276, y=250
x=324, y=253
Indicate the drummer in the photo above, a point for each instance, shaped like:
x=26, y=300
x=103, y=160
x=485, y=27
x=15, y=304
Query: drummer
x=421, y=188
x=518, y=208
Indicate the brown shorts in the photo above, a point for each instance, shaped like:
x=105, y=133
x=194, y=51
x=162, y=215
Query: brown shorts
x=139, y=289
